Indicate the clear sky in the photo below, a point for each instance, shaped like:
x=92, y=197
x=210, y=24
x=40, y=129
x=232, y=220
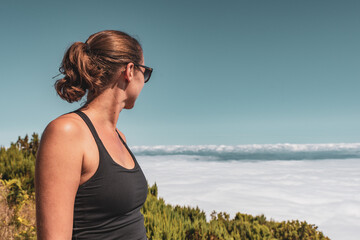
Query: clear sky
x=225, y=72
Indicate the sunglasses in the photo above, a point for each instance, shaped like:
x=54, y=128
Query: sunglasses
x=147, y=72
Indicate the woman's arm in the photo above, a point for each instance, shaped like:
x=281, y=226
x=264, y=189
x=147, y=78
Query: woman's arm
x=57, y=178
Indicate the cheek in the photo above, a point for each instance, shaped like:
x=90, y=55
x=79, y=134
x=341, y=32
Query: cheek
x=141, y=84
x=137, y=89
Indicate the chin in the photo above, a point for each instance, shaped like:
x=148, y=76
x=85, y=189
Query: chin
x=129, y=106
x=130, y=103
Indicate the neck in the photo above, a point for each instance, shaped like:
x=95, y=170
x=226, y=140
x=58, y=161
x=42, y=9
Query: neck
x=106, y=108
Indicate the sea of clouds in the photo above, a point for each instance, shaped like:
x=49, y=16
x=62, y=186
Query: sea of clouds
x=318, y=183
x=257, y=151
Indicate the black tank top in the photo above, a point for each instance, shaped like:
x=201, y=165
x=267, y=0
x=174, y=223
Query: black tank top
x=107, y=206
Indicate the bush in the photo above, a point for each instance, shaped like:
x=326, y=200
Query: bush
x=18, y=161
x=164, y=221
x=17, y=208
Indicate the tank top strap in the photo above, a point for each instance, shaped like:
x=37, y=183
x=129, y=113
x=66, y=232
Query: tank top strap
x=90, y=125
x=128, y=149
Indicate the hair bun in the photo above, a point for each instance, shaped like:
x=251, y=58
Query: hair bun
x=79, y=73
x=68, y=91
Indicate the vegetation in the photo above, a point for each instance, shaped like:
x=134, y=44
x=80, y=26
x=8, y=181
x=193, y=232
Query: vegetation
x=162, y=221
x=17, y=211
x=18, y=161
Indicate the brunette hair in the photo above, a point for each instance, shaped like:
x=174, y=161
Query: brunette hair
x=89, y=67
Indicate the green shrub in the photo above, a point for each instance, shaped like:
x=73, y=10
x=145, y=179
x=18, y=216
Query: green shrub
x=18, y=161
x=164, y=221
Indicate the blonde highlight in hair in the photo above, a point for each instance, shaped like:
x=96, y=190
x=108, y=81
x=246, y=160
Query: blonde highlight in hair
x=89, y=67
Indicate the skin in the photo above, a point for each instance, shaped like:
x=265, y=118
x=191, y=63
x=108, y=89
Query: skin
x=68, y=155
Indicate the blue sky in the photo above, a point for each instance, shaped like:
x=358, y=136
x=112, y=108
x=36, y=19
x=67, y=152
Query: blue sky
x=225, y=72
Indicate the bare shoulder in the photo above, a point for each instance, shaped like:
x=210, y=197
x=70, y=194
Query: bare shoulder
x=63, y=136
x=60, y=155
x=69, y=125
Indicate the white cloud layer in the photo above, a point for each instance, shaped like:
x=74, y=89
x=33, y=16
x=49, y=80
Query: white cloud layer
x=258, y=152
x=325, y=193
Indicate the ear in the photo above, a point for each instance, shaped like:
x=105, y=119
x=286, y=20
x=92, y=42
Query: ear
x=129, y=72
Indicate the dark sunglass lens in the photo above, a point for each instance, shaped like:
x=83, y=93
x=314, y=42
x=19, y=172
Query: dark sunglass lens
x=147, y=75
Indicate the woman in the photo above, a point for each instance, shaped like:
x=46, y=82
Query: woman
x=88, y=183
